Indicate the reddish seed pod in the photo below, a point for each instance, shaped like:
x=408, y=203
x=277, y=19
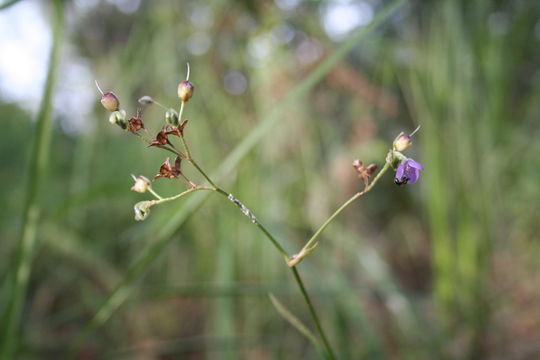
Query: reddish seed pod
x=110, y=102
x=185, y=90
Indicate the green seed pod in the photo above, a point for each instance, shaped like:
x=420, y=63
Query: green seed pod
x=185, y=90
x=171, y=117
x=110, y=101
x=118, y=118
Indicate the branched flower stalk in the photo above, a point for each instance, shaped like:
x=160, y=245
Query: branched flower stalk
x=407, y=171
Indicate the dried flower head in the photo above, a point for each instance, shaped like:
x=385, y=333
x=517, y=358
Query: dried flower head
x=168, y=171
x=161, y=138
x=364, y=172
x=135, y=123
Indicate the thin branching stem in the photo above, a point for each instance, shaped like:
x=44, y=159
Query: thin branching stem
x=311, y=244
x=246, y=211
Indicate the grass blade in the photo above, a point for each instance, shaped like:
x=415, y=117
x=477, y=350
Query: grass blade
x=296, y=323
x=37, y=169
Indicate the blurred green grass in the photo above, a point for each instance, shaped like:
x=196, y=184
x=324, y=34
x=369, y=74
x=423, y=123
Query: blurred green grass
x=445, y=269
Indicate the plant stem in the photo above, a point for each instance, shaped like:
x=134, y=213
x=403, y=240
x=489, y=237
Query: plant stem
x=311, y=244
x=151, y=191
x=36, y=173
x=178, y=196
x=313, y=312
x=246, y=211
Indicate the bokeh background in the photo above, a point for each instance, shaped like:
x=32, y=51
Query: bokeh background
x=447, y=268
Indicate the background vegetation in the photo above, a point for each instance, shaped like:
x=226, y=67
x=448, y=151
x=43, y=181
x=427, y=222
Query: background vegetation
x=444, y=269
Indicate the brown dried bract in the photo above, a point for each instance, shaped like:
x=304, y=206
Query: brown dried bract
x=364, y=172
x=168, y=171
x=161, y=139
x=182, y=126
x=135, y=123
x=173, y=130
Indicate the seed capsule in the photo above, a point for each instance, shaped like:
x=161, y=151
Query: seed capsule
x=141, y=185
x=171, y=117
x=402, y=142
x=110, y=101
x=118, y=118
x=185, y=90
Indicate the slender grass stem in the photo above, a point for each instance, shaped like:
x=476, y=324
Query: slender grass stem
x=36, y=173
x=312, y=244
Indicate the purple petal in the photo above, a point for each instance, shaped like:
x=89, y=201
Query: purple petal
x=412, y=174
x=400, y=170
x=415, y=164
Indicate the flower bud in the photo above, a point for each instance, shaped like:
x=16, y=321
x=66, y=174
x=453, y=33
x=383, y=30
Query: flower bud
x=146, y=100
x=185, y=90
x=402, y=142
x=141, y=185
x=110, y=101
x=171, y=117
x=118, y=118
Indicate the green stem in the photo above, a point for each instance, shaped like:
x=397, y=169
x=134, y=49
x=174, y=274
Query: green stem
x=313, y=313
x=254, y=220
x=246, y=211
x=36, y=173
x=311, y=244
x=183, y=193
x=151, y=191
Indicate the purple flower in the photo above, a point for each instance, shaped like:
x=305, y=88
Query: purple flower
x=408, y=172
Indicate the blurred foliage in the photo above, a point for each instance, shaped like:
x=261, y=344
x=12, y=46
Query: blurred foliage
x=443, y=269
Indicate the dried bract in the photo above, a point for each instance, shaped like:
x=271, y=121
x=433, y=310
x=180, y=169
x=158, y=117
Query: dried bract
x=168, y=171
x=135, y=123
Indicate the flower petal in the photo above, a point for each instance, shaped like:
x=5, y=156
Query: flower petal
x=415, y=164
x=400, y=171
x=412, y=174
